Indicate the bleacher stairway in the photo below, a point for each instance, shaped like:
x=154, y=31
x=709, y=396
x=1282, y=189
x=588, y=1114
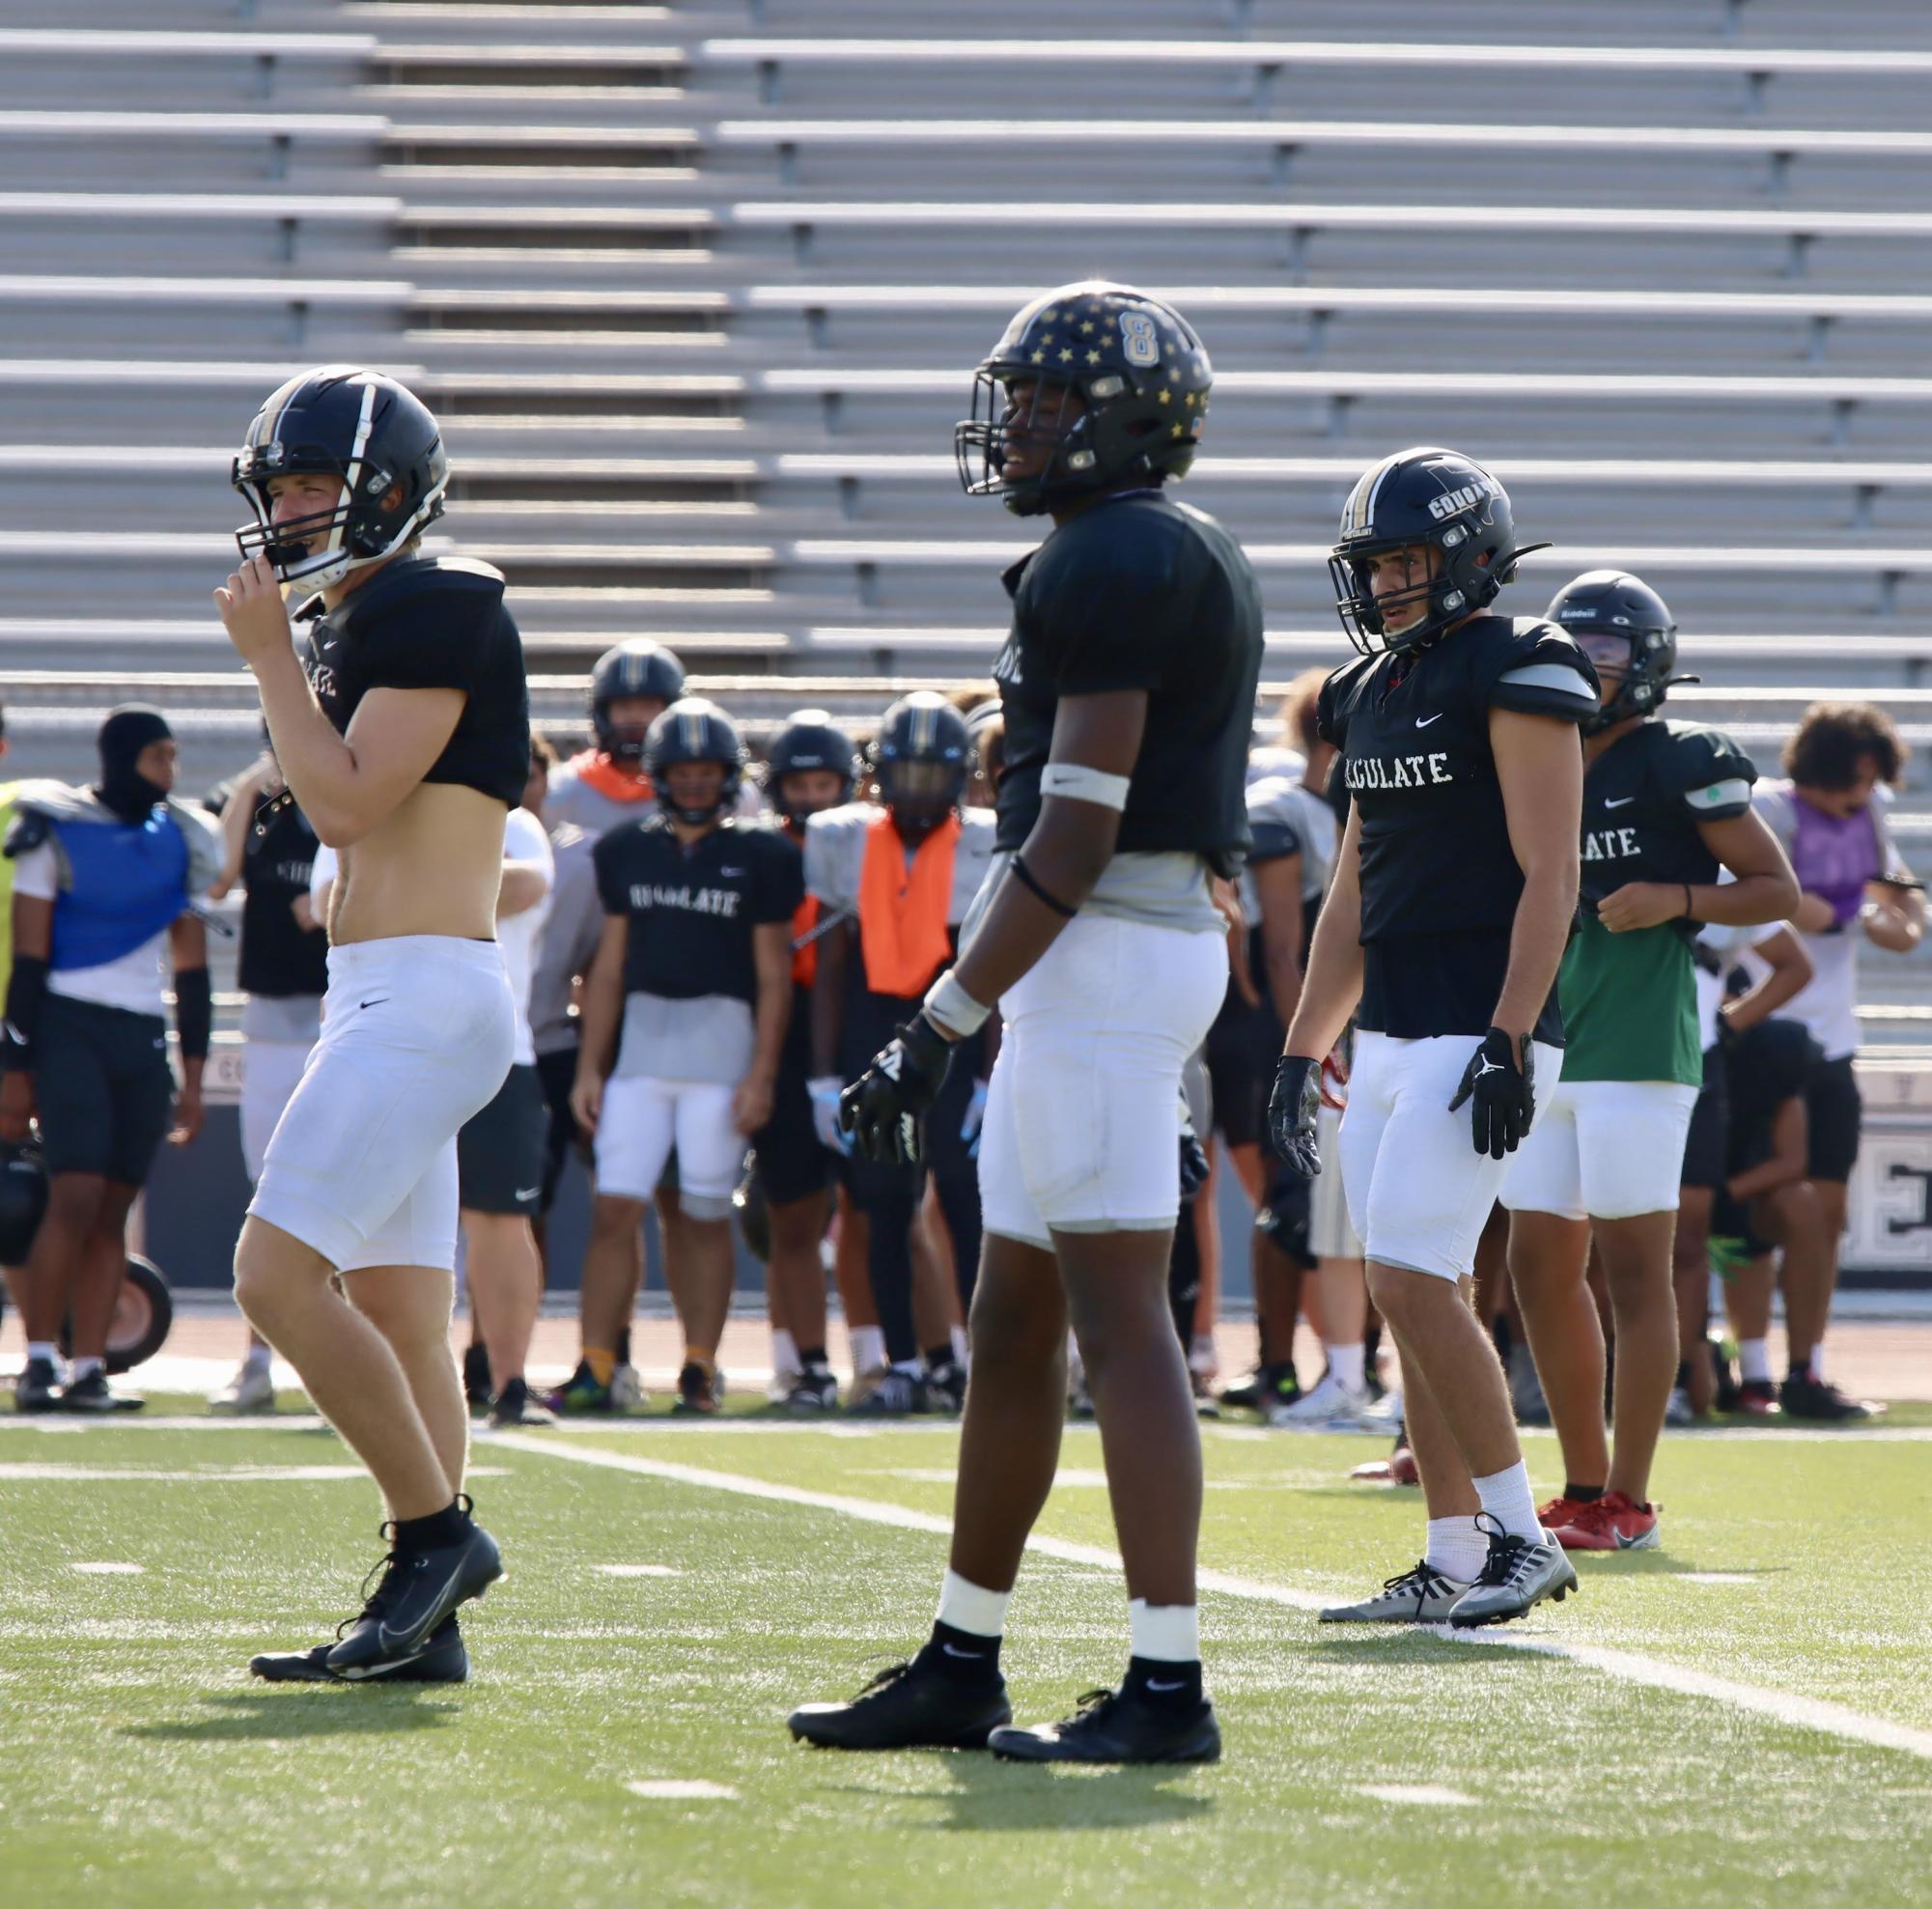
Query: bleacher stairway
x=697, y=290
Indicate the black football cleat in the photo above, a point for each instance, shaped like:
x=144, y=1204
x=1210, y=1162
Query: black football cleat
x=1115, y=1726
x=37, y=1387
x=441, y=1661
x=515, y=1406
x=908, y=1706
x=418, y=1591
x=91, y=1397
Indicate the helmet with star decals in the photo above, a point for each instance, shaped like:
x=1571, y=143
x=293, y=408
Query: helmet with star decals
x=1093, y=387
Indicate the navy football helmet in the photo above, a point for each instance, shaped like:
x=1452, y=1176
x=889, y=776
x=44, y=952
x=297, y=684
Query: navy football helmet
x=366, y=430
x=635, y=668
x=921, y=757
x=809, y=739
x=1143, y=377
x=1445, y=502
x=1619, y=622
x=694, y=730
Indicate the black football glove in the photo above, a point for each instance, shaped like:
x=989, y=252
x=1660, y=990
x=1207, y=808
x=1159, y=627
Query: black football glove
x=1194, y=1156
x=1502, y=1100
x=881, y=1108
x=1292, y=1108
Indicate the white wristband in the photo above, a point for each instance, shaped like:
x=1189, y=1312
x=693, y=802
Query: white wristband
x=1085, y=784
x=953, y=1008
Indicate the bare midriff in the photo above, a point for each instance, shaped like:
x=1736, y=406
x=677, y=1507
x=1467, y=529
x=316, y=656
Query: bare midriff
x=432, y=867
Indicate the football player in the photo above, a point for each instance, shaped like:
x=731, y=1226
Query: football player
x=684, y=1010
x=1127, y=686
x=1844, y=763
x=810, y=767
x=901, y=873
x=1666, y=806
x=403, y=728
x=1446, y=916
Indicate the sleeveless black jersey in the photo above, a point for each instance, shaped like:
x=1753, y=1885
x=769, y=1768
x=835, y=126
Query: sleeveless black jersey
x=1643, y=798
x=433, y=625
x=1138, y=593
x=279, y=958
x=691, y=910
x=1439, y=882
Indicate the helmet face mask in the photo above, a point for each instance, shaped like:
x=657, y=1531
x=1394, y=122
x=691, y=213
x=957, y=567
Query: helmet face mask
x=921, y=759
x=1142, y=377
x=1451, y=509
x=378, y=442
x=637, y=671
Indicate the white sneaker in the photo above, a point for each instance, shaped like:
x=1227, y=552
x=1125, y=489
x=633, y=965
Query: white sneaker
x=250, y=1390
x=1518, y=1574
x=627, y=1389
x=1385, y=1414
x=1679, y=1412
x=1418, y=1596
x=1331, y=1407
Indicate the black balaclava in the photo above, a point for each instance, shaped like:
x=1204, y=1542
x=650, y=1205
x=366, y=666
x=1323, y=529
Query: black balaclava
x=127, y=731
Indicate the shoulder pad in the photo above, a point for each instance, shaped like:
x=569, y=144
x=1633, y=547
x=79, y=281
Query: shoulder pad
x=1122, y=541
x=453, y=581
x=1527, y=664
x=204, y=844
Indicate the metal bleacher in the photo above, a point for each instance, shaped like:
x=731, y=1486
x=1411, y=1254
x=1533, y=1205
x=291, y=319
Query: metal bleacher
x=697, y=290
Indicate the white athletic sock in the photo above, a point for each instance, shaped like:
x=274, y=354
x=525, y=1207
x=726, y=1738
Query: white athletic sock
x=959, y=1338
x=1169, y=1633
x=784, y=1355
x=84, y=1368
x=868, y=1348
x=913, y=1368
x=45, y=1349
x=259, y=1359
x=1456, y=1548
x=1815, y=1371
x=969, y=1607
x=1507, y=1499
x=1346, y=1364
x=1754, y=1361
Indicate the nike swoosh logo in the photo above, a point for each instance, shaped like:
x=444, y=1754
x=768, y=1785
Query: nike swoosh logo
x=1627, y=1544
x=529, y=1193
x=970, y=1656
x=374, y=1670
x=729, y=872
x=1421, y=722
x=1622, y=801
x=1179, y=1683
x=377, y=1002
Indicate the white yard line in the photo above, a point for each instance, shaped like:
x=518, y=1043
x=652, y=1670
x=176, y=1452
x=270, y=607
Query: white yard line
x=1780, y=1707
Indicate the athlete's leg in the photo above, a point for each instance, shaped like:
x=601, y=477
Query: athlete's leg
x=506, y=1286
x=1446, y=1489
x=616, y=1220
x=711, y=1156
x=794, y=1274
x=101, y=1270
x=1150, y=1439
x=1016, y=1409
x=1636, y=1255
x=54, y=1259
x=1438, y=1335
x=936, y=1291
x=1690, y=1280
x=410, y=1306
x=636, y=1132
x=1811, y=1270
x=350, y=1371
x=1546, y=1255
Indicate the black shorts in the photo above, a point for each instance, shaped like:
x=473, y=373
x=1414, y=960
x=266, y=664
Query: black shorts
x=1767, y=1066
x=1834, y=1110
x=1240, y=1050
x=102, y=1088
x=791, y=1163
x=499, y=1152
x=1704, y=1146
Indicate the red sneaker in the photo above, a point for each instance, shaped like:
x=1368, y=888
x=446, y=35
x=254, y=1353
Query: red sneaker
x=1613, y=1522
x=1757, y=1398
x=1558, y=1512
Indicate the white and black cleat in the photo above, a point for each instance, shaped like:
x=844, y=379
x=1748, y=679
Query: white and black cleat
x=1518, y=1574
x=1420, y=1596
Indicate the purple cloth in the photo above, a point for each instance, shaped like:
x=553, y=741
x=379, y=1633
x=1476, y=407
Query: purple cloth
x=1835, y=857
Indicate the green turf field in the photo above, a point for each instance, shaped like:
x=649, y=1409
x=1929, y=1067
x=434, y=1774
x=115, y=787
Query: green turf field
x=139, y=1764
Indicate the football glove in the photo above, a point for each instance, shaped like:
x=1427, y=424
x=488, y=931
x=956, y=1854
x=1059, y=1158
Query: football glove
x=1292, y=1108
x=1194, y=1156
x=1501, y=1097
x=881, y=1108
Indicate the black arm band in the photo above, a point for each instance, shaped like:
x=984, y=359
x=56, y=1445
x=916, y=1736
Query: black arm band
x=1025, y=878
x=25, y=993
x=194, y=1012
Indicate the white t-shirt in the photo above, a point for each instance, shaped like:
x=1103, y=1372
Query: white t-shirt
x=524, y=840
x=132, y=981
x=517, y=934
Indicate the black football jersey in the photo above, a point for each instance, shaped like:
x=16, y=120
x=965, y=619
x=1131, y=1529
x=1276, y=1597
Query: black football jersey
x=433, y=625
x=1439, y=880
x=1138, y=592
x=691, y=910
x=279, y=957
x=1643, y=798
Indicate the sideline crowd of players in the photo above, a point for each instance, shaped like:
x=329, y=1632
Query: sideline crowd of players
x=765, y=991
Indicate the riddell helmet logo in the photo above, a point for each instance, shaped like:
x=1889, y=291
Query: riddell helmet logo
x=1452, y=502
